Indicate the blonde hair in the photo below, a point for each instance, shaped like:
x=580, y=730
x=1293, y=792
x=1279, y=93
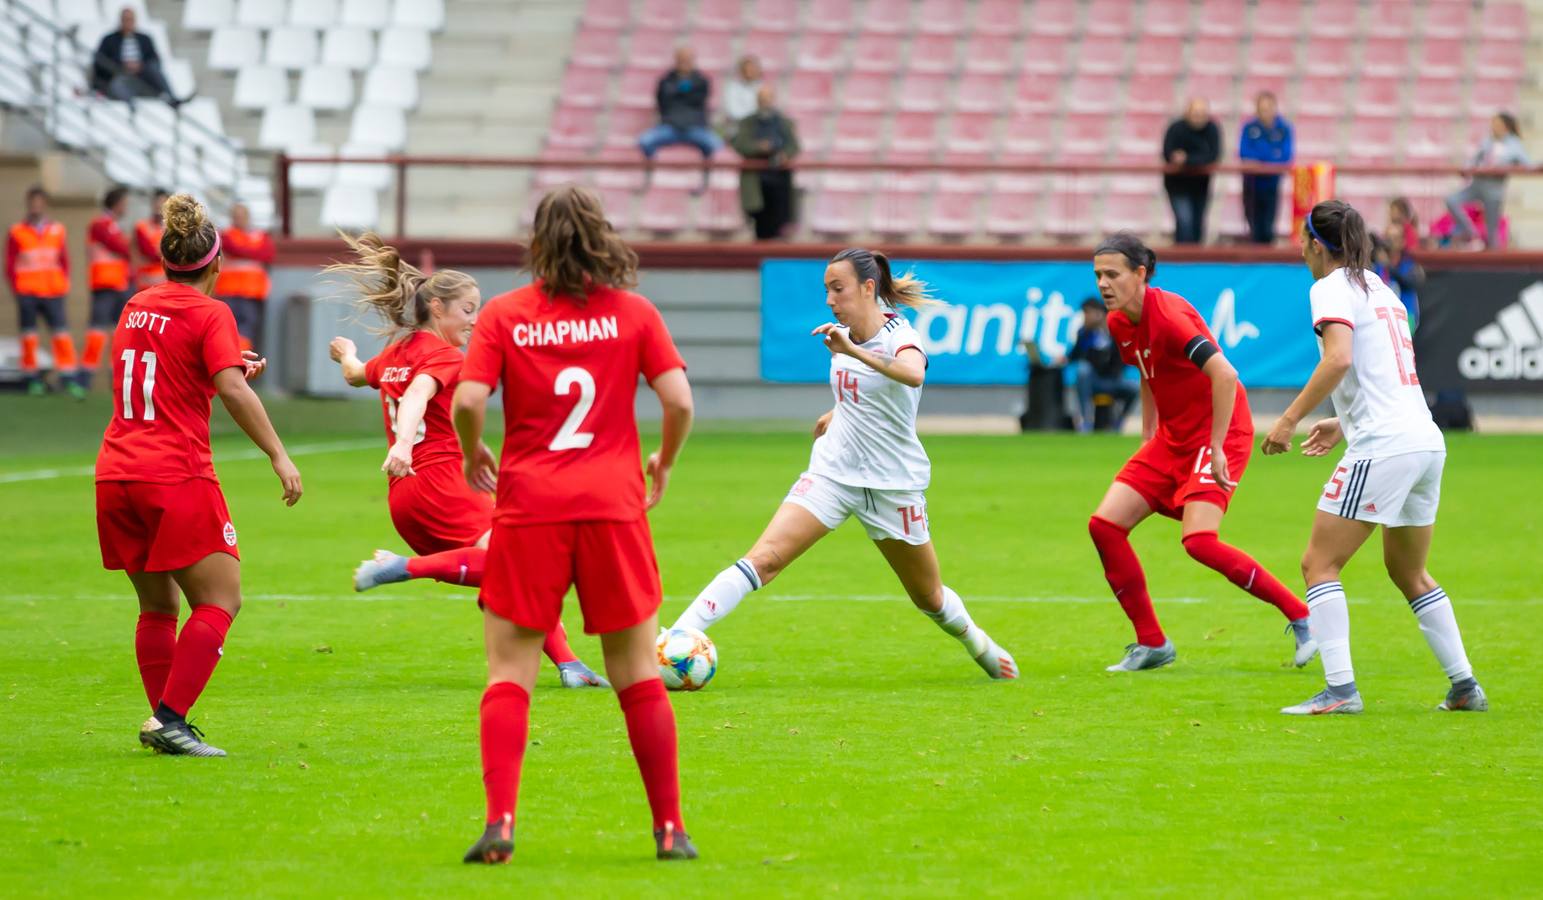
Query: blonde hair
x=188, y=237
x=871, y=265
x=573, y=246
x=396, y=291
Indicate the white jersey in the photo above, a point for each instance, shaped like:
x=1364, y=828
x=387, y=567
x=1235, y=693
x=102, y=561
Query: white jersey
x=1380, y=404
x=871, y=441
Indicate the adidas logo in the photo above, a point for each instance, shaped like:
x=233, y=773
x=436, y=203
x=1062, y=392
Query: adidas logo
x=1511, y=347
x=1371, y=507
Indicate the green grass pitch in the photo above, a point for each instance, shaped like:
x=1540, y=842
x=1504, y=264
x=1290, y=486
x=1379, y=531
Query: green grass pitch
x=846, y=747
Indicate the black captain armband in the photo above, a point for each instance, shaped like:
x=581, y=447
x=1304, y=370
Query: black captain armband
x=1199, y=350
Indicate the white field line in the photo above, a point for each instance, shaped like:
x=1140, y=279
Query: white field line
x=232, y=456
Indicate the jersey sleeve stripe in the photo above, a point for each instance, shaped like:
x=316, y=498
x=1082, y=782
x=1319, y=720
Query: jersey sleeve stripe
x=926, y=360
x=1318, y=325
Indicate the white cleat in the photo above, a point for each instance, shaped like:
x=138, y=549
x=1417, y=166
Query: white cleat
x=1325, y=704
x=1307, y=648
x=1139, y=657
x=384, y=568
x=998, y=663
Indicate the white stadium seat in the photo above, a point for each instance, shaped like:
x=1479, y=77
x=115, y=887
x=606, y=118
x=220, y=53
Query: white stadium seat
x=376, y=176
x=44, y=46
x=428, y=14
x=231, y=48
x=156, y=121
x=286, y=126
x=352, y=48
x=260, y=13
x=259, y=87
x=111, y=9
x=292, y=48
x=154, y=29
x=311, y=176
x=219, y=164
x=374, y=14
x=313, y=13
x=391, y=86
x=111, y=126
x=83, y=15
x=68, y=123
x=126, y=165
x=201, y=114
x=44, y=8
x=326, y=87
x=350, y=206
x=406, y=47
x=207, y=15
x=179, y=76
x=382, y=126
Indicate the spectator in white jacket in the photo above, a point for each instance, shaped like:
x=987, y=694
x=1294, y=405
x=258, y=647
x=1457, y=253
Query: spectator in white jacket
x=739, y=95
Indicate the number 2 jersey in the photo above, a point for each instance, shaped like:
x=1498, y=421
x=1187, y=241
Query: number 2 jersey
x=392, y=371
x=1380, y=404
x=169, y=343
x=569, y=373
x=871, y=441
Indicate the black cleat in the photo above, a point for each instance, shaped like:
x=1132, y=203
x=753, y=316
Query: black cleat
x=496, y=846
x=672, y=844
x=175, y=739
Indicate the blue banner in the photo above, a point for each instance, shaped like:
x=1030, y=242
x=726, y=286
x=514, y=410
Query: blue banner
x=1258, y=312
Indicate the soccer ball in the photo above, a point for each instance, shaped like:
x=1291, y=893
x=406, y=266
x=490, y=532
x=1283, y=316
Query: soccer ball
x=687, y=659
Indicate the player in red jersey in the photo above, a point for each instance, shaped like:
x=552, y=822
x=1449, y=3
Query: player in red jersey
x=428, y=319
x=160, y=515
x=1198, y=434
x=568, y=351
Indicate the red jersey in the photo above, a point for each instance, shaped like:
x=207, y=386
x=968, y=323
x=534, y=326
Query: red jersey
x=570, y=376
x=169, y=343
x=1160, y=345
x=392, y=371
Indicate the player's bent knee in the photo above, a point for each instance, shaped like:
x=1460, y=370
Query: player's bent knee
x=1415, y=583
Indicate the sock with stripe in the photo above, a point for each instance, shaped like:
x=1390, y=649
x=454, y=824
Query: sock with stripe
x=505, y=727
x=720, y=596
x=651, y=731
x=1439, y=625
x=64, y=354
x=955, y=619
x=96, y=339
x=1330, y=625
x=29, y=354
x=1123, y=572
x=463, y=565
x=1241, y=569
x=199, y=648
x=155, y=644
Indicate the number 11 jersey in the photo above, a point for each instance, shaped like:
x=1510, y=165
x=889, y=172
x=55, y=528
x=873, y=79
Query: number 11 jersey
x=569, y=372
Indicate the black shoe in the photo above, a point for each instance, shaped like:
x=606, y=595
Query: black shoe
x=495, y=846
x=672, y=844
x=179, y=738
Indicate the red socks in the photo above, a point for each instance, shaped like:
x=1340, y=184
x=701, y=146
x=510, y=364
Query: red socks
x=1240, y=569
x=651, y=729
x=96, y=340
x=155, y=643
x=29, y=354
x=505, y=728
x=1123, y=572
x=198, y=651
x=463, y=565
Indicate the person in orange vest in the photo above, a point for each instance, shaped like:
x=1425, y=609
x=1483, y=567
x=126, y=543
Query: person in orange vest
x=147, y=240
x=37, y=264
x=243, y=283
x=107, y=254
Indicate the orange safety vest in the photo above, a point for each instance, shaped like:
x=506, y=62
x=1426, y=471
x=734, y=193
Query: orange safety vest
x=109, y=271
x=150, y=273
x=40, y=262
x=241, y=277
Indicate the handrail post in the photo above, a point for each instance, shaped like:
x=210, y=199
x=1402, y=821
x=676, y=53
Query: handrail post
x=282, y=161
x=401, y=196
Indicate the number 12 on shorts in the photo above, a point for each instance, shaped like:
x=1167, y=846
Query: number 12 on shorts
x=911, y=515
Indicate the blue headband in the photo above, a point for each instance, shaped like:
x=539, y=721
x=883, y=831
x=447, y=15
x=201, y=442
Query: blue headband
x=1318, y=237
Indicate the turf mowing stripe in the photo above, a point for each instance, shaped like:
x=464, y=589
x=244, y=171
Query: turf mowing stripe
x=233, y=456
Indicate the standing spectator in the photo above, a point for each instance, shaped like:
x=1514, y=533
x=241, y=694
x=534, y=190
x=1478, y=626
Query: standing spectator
x=682, y=98
x=1502, y=148
x=147, y=240
x=127, y=66
x=1266, y=138
x=1191, y=143
x=740, y=95
x=1399, y=270
x=37, y=264
x=1401, y=215
x=243, y=284
x=107, y=258
x=1100, y=370
x=767, y=194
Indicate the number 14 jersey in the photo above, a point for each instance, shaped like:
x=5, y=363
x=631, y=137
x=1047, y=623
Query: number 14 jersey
x=1380, y=403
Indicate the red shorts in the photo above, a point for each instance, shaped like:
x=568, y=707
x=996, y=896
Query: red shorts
x=436, y=510
x=146, y=527
x=1168, y=477
x=531, y=567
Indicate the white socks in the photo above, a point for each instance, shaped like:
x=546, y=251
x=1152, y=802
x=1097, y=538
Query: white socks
x=1434, y=613
x=720, y=596
x=955, y=619
x=1330, y=626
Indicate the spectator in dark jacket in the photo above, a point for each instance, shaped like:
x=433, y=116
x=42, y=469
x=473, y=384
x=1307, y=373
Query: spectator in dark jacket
x=127, y=66
x=1266, y=138
x=767, y=194
x=1191, y=143
x=1100, y=370
x=682, y=99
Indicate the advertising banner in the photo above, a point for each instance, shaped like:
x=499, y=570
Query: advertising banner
x=1481, y=331
x=1259, y=314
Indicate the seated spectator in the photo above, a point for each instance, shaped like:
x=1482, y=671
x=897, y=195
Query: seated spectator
x=1099, y=368
x=740, y=96
x=1191, y=143
x=1266, y=138
x=1502, y=148
x=767, y=194
x=126, y=65
x=682, y=98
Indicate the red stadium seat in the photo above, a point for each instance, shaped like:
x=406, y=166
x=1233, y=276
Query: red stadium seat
x=809, y=93
x=822, y=52
x=1490, y=96
x=1449, y=19
x=1000, y=16
x=1503, y=20
x=1332, y=19
x=955, y=206
x=1372, y=142
x=1318, y=96
x=898, y=205
x=1271, y=56
x=834, y=16
x=620, y=136
x=942, y=16
x=1027, y=138
x=980, y=93
x=1160, y=56
x=923, y=93
x=1439, y=57
x=913, y=138
x=665, y=209
x=1112, y=18
x=1045, y=53
x=1429, y=140
x=1215, y=56
x=714, y=50
x=1220, y=90
x=775, y=50
x=969, y=138
x=875, y=52
x=597, y=47
x=1036, y=93
x=637, y=89
x=1129, y=211
x=1380, y=96
x=1084, y=138
x=719, y=212
x=1382, y=56
x=1141, y=137
x=773, y=15
x=575, y=128
x=933, y=53
x=1317, y=137
x=1055, y=17
x=1221, y=18
x=1012, y=206
x=1166, y=18
x=887, y=16
x=857, y=137
x=989, y=52
x=585, y=86
x=1331, y=56
x=1093, y=94
x=1068, y=211
x=1104, y=55
x=1280, y=18
x=664, y=14
x=1436, y=97
x=1391, y=18
x=1154, y=95
x=1500, y=59
x=866, y=92
x=840, y=203
x=719, y=15
x=618, y=206
x=606, y=14
x=652, y=48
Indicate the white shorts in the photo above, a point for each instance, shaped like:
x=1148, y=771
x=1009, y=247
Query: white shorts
x=1396, y=491
x=887, y=515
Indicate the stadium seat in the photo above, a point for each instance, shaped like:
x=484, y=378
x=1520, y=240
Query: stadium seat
x=1279, y=18
x=128, y=165
x=1448, y=19
x=1101, y=56
x=1330, y=56
x=291, y=48
x=372, y=14
x=1380, y=96
x=349, y=206
x=913, y=138
x=773, y=15
x=662, y=14
x=375, y=176
x=378, y=126
x=259, y=87
x=1503, y=20
x=830, y=16
x=1217, y=56
x=406, y=47
x=866, y=92
x=1428, y=140
x=1003, y=17
x=1111, y=18
x=650, y=48
x=1271, y=57
x=942, y=16
x=157, y=121
x=1384, y=56
x=1084, y=137
x=231, y=48
x=980, y=93
x=1149, y=94
x=875, y=52
x=1220, y=90
x=1392, y=19
x=839, y=206
x=1492, y=95
x=606, y=14
x=969, y=138
x=822, y=52
x=718, y=15
x=1046, y=54
x=179, y=76
x=1220, y=19
x=1055, y=17
x=955, y=206
x=351, y=48
x=1320, y=96
x=261, y=14
x=1140, y=138
x=286, y=125
x=311, y=176
x=84, y=15
x=923, y=93
x=898, y=206
x=665, y=210
x=718, y=212
x=207, y=15
x=887, y=17
x=1500, y=59
x=326, y=88
x=857, y=137
x=1160, y=56
x=1440, y=57
x=636, y=88
x=575, y=129
x=1027, y=138
x=620, y=137
x=714, y=50
x=989, y=53
x=1068, y=211
x=1166, y=18
x=933, y=53
x=1436, y=97
x=773, y=49
x=1132, y=210
x=809, y=93
x=599, y=47
x=318, y=14
x=425, y=14
x=1012, y=207
x=1317, y=137
x=581, y=86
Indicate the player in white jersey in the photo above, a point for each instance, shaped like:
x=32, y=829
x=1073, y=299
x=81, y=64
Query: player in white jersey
x=867, y=460
x=1390, y=474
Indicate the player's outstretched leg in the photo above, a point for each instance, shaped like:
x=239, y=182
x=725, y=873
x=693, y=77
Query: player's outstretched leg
x=1122, y=569
x=916, y=565
x=721, y=596
x=792, y=530
x=1206, y=548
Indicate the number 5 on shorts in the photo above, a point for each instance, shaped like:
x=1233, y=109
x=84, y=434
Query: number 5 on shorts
x=1336, y=484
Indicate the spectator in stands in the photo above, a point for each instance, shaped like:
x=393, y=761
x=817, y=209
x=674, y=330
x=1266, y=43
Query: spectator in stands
x=1502, y=148
x=1396, y=266
x=243, y=284
x=127, y=66
x=682, y=98
x=37, y=265
x=1401, y=215
x=107, y=261
x=1100, y=370
x=767, y=194
x=1192, y=143
x=740, y=96
x=1266, y=138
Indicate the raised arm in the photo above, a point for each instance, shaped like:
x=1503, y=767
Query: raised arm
x=909, y=366
x=1337, y=348
x=409, y=419
x=675, y=401
x=346, y=355
x=248, y=412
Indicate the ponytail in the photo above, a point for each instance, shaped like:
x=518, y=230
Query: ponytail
x=1340, y=230
x=871, y=265
x=396, y=291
